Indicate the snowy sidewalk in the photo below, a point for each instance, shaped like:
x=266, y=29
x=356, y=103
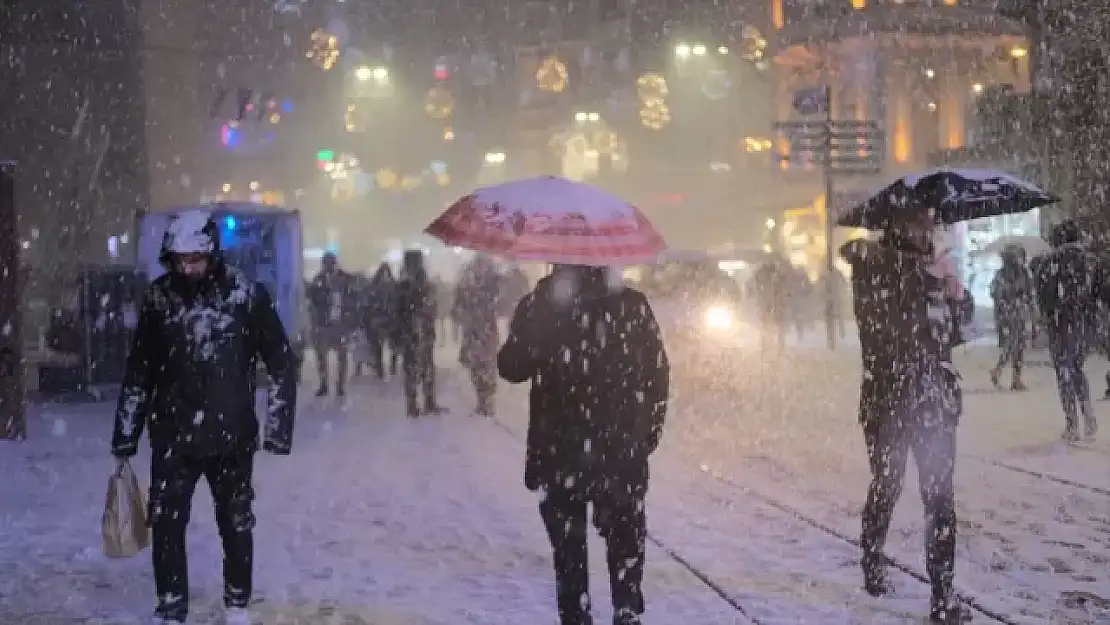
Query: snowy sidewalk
x=374, y=519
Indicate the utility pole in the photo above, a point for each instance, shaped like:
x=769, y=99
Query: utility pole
x=839, y=148
x=13, y=418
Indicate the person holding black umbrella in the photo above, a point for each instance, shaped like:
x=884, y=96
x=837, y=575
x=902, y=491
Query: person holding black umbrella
x=909, y=313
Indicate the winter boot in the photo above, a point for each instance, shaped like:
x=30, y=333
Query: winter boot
x=948, y=611
x=1016, y=384
x=412, y=410
x=584, y=618
x=237, y=616
x=485, y=407
x=1071, y=435
x=875, y=579
x=340, y=391
x=323, y=390
x=625, y=616
x=1091, y=429
x=996, y=374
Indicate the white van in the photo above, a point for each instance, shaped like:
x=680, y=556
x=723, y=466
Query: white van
x=262, y=241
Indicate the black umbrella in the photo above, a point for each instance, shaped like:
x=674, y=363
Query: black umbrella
x=954, y=195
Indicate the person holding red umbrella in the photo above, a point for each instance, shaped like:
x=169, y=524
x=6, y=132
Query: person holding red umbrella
x=600, y=381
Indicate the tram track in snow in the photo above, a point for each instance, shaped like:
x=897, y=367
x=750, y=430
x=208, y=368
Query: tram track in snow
x=971, y=602
x=697, y=572
x=1040, y=475
x=789, y=511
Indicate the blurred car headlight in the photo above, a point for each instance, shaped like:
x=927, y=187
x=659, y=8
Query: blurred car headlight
x=719, y=318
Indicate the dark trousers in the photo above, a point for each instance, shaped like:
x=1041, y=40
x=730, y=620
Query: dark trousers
x=1011, y=342
x=325, y=341
x=484, y=378
x=1075, y=392
x=621, y=521
x=419, y=373
x=933, y=443
x=378, y=340
x=173, y=479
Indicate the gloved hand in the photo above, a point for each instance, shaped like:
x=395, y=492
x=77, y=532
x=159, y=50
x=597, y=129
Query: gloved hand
x=275, y=448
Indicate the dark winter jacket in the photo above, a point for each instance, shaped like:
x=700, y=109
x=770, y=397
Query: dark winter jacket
x=772, y=287
x=1012, y=291
x=475, y=309
x=1069, y=285
x=600, y=382
x=379, y=303
x=415, y=305
x=192, y=370
x=907, y=330
x=333, y=301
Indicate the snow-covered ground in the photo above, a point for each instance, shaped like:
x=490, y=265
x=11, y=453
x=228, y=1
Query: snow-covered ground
x=377, y=519
x=1031, y=548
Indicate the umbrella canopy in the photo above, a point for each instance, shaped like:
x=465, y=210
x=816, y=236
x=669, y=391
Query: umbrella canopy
x=551, y=220
x=954, y=195
x=1032, y=245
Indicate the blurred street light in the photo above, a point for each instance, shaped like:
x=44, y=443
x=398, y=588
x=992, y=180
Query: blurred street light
x=682, y=51
x=495, y=158
x=1018, y=52
x=977, y=87
x=770, y=223
x=587, y=117
x=365, y=73
x=722, y=50
x=699, y=49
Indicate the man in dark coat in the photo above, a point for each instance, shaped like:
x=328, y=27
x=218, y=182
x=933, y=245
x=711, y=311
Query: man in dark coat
x=333, y=305
x=476, y=302
x=416, y=332
x=378, y=320
x=600, y=383
x=1012, y=292
x=192, y=374
x=772, y=286
x=1068, y=286
x=910, y=398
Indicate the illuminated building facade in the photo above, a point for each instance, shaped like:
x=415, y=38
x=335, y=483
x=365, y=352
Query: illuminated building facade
x=914, y=67
x=917, y=69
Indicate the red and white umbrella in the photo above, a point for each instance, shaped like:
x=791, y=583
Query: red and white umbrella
x=550, y=220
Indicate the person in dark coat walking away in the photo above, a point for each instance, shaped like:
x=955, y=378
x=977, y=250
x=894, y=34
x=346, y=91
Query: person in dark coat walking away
x=514, y=286
x=1012, y=292
x=191, y=375
x=1068, y=288
x=378, y=321
x=475, y=310
x=333, y=304
x=416, y=322
x=600, y=383
x=908, y=314
x=772, y=282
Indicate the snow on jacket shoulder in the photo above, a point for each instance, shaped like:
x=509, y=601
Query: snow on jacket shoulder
x=192, y=370
x=600, y=379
